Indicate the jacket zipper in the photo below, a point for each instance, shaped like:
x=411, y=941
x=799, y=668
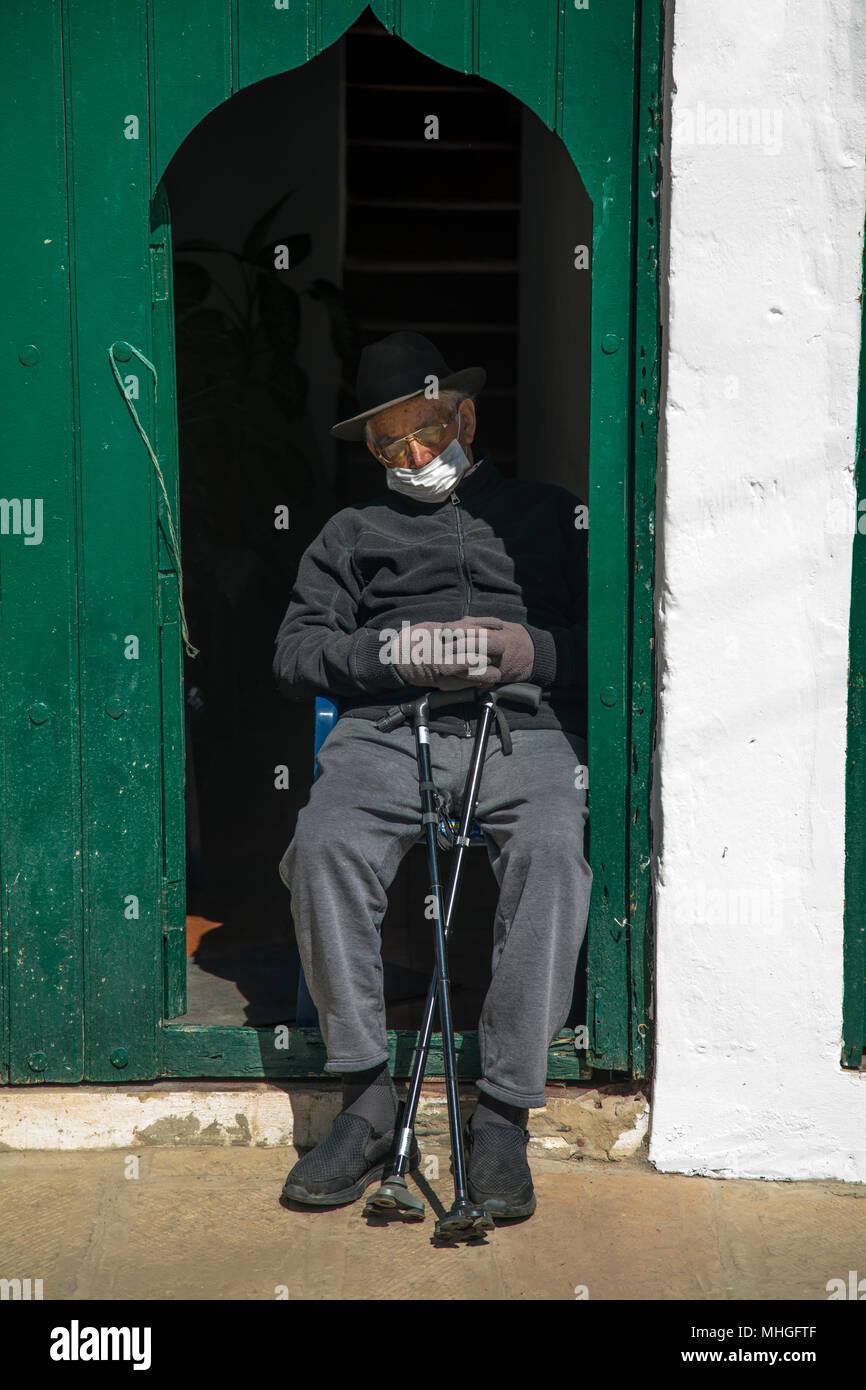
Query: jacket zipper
x=467, y=582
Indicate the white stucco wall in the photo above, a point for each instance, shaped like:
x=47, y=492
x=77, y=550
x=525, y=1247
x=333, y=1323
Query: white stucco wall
x=756, y=510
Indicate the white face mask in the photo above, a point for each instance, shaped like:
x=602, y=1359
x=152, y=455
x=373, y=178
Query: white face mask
x=436, y=479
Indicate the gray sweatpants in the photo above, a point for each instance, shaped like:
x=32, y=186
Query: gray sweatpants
x=363, y=816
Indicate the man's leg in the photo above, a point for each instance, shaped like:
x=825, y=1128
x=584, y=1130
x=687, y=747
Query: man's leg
x=533, y=808
x=362, y=817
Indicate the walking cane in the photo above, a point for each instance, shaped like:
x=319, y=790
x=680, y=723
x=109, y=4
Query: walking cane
x=464, y=1220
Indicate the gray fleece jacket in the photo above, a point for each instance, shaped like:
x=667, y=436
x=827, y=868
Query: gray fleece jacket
x=499, y=547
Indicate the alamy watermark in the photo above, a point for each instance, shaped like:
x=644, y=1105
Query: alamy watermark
x=19, y=1290
x=77, y=1343
x=22, y=516
x=854, y=1288
x=443, y=646
x=760, y=127
x=764, y=908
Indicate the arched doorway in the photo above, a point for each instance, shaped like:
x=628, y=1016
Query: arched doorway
x=133, y=87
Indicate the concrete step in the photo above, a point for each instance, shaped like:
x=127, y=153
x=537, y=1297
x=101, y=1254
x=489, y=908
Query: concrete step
x=580, y=1121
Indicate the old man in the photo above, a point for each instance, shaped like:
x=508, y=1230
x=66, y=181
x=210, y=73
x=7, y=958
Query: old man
x=457, y=576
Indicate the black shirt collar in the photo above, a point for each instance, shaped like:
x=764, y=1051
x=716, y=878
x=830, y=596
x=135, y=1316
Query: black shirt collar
x=480, y=478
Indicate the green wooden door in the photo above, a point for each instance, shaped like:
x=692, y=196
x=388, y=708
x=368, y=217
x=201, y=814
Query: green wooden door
x=136, y=80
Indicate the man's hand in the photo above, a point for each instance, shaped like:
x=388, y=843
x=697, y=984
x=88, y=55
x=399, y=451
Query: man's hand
x=449, y=656
x=510, y=649
x=466, y=653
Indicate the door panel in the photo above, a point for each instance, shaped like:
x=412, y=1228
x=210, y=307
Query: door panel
x=192, y=65
x=645, y=394
x=41, y=1035
x=597, y=117
x=107, y=93
x=170, y=576
x=272, y=40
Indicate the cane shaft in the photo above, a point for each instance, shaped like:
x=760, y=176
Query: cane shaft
x=470, y=801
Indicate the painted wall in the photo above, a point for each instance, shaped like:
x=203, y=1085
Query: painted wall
x=756, y=510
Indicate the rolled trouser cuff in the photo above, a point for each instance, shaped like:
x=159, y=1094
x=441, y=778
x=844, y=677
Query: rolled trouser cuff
x=521, y=1100
x=357, y=1064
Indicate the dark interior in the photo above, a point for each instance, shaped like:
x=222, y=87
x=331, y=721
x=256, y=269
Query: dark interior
x=459, y=237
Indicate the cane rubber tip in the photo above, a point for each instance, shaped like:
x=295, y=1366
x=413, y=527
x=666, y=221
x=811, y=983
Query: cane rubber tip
x=464, y=1222
x=394, y=1195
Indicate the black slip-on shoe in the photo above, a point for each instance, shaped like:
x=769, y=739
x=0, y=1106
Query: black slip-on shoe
x=344, y=1164
x=497, y=1173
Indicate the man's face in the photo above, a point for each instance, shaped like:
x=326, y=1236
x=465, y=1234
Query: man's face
x=399, y=420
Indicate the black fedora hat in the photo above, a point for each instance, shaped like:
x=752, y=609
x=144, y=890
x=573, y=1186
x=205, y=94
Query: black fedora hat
x=397, y=368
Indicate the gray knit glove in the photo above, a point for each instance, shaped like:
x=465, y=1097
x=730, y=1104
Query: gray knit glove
x=510, y=650
x=447, y=656
x=492, y=653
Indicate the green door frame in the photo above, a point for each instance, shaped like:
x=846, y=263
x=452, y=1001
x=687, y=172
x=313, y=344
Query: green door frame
x=123, y=98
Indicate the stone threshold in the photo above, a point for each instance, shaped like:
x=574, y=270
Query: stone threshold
x=583, y=1120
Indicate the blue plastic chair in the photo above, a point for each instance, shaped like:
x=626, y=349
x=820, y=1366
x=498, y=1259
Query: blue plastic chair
x=326, y=716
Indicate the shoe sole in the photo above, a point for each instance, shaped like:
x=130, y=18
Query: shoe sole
x=295, y=1193
x=501, y=1211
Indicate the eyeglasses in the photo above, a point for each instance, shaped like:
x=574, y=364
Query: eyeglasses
x=397, y=454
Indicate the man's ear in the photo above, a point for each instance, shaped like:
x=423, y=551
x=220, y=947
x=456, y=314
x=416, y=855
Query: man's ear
x=467, y=420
